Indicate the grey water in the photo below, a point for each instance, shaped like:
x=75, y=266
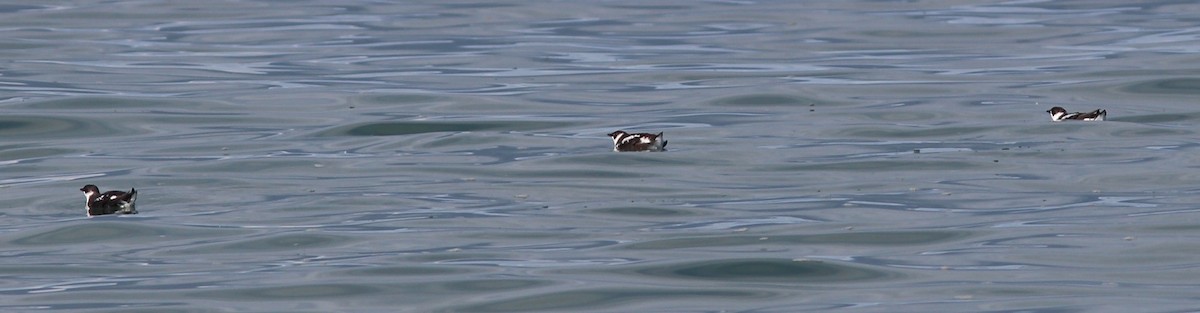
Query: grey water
x=450, y=156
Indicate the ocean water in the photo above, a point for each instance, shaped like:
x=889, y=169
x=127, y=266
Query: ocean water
x=450, y=156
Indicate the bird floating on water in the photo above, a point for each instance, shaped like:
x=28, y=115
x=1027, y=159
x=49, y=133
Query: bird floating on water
x=109, y=202
x=625, y=142
x=1060, y=114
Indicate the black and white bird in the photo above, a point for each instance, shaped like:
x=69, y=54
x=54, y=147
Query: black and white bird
x=625, y=142
x=1060, y=114
x=109, y=202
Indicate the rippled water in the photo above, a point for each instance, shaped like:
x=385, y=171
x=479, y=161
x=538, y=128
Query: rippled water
x=857, y=156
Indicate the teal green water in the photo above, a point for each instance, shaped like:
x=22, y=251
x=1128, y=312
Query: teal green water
x=856, y=156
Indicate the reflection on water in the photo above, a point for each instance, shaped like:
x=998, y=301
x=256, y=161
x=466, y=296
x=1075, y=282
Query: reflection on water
x=764, y=271
x=451, y=157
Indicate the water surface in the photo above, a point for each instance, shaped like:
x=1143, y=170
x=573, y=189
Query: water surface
x=854, y=156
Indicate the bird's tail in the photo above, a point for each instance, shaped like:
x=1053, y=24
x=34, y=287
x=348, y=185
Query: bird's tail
x=130, y=207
